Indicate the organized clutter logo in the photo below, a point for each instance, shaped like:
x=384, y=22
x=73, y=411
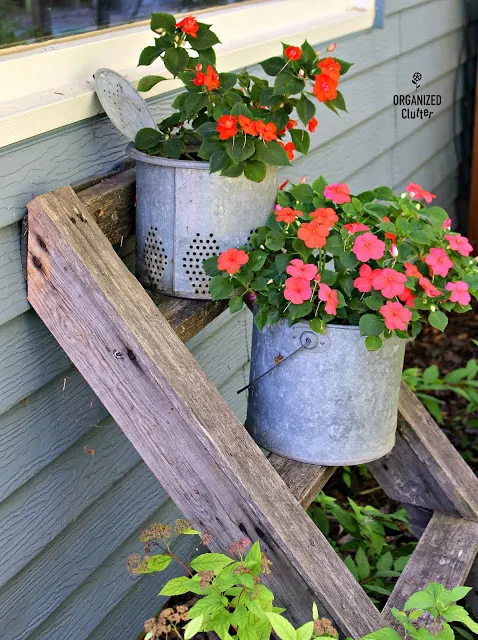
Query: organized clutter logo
x=412, y=103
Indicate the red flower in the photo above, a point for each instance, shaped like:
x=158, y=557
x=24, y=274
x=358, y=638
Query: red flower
x=339, y=193
x=459, y=292
x=287, y=215
x=364, y=282
x=232, y=260
x=312, y=126
x=200, y=78
x=248, y=126
x=429, y=288
x=412, y=271
x=325, y=215
x=330, y=67
x=188, y=25
x=330, y=297
x=293, y=53
x=459, y=243
x=396, y=315
x=212, y=79
x=325, y=88
x=313, y=234
x=438, y=261
x=407, y=297
x=289, y=148
x=390, y=283
x=368, y=247
x=267, y=131
x=418, y=193
x=297, y=290
x=390, y=236
x=355, y=227
x=298, y=269
x=284, y=184
x=227, y=127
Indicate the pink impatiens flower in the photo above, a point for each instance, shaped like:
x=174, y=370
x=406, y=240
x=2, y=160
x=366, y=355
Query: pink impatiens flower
x=438, y=261
x=418, y=193
x=338, y=193
x=330, y=297
x=355, y=227
x=396, y=315
x=390, y=283
x=298, y=269
x=365, y=280
x=429, y=288
x=297, y=290
x=459, y=292
x=368, y=247
x=412, y=271
x=459, y=243
x=446, y=224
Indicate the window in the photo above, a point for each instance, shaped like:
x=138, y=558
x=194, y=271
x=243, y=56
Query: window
x=26, y=21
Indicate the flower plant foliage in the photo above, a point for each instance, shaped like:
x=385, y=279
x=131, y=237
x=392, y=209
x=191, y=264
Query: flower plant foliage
x=239, y=123
x=384, y=262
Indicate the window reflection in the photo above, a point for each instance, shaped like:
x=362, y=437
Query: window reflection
x=25, y=21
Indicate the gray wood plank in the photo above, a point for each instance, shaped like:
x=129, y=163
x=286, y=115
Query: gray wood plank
x=237, y=492
x=444, y=554
x=304, y=480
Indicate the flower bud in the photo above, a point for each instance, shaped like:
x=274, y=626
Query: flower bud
x=303, y=179
x=198, y=67
x=432, y=307
x=301, y=73
x=394, y=250
x=332, y=47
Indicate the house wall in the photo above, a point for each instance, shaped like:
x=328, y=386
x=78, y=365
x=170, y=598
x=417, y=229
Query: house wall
x=74, y=494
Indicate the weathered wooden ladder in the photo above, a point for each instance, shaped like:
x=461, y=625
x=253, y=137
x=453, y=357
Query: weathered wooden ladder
x=129, y=347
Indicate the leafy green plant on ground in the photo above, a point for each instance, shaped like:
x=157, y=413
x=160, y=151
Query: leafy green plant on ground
x=369, y=542
x=462, y=381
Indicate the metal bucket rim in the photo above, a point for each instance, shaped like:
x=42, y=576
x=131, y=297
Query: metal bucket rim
x=305, y=324
x=165, y=162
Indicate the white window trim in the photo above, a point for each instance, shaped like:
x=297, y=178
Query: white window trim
x=50, y=86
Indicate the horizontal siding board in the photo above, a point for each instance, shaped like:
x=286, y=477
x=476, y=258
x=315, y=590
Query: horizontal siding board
x=74, y=555
x=12, y=283
x=439, y=17
x=396, y=6
x=434, y=171
x=373, y=174
x=105, y=587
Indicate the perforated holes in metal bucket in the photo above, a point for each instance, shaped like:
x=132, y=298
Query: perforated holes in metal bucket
x=251, y=233
x=198, y=251
x=155, y=257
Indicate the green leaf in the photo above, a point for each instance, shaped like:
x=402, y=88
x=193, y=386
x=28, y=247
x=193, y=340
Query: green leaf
x=438, y=319
x=194, y=103
x=282, y=627
x=383, y=634
x=272, y=66
x=400, y=563
x=373, y=343
x=148, y=82
x=227, y=80
x=351, y=566
x=339, y=102
x=210, y=561
x=221, y=288
x=374, y=301
x=190, y=532
x=455, y=613
x=147, y=138
x=305, y=109
x=275, y=240
x=344, y=66
x=148, y=56
x=288, y=85
x=305, y=631
x=205, y=38
x=362, y=563
x=301, y=140
x=210, y=266
x=371, y=325
x=173, y=147
x=207, y=130
x=272, y=153
x=218, y=161
x=419, y=600
x=457, y=593
x=164, y=21
x=302, y=192
x=317, y=325
x=193, y=626
x=176, y=587
x=239, y=149
x=319, y=185
x=158, y=562
x=255, y=170
x=348, y=259
x=233, y=170
x=431, y=374
x=385, y=562
x=384, y=193
x=254, y=554
x=236, y=303
x=175, y=60
x=256, y=260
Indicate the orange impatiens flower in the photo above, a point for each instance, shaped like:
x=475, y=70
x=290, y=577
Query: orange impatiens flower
x=189, y=25
x=248, y=126
x=286, y=214
x=289, y=148
x=267, y=131
x=210, y=79
x=227, y=127
x=325, y=215
x=312, y=126
x=293, y=53
x=330, y=67
x=232, y=260
x=325, y=88
x=313, y=234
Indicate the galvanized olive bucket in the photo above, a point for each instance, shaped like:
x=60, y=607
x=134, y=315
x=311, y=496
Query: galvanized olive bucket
x=331, y=403
x=184, y=215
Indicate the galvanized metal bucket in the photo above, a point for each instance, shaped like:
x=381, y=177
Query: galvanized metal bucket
x=332, y=403
x=184, y=215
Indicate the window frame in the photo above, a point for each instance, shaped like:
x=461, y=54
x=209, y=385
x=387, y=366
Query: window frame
x=56, y=86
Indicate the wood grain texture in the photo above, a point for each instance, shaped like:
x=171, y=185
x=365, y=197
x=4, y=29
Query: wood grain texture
x=304, y=480
x=473, y=213
x=424, y=468
x=155, y=390
x=444, y=554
